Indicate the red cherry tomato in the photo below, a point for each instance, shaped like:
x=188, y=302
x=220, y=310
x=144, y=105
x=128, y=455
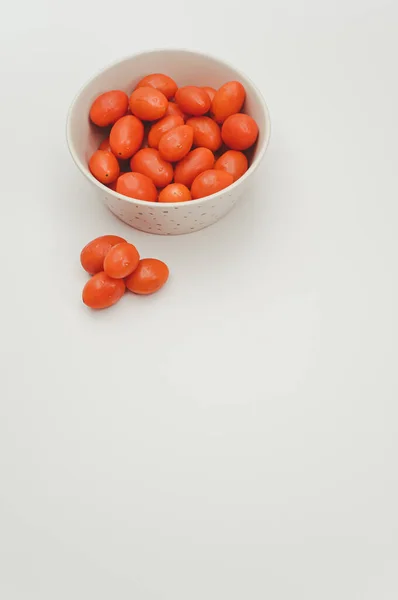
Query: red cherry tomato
x=126, y=136
x=105, y=145
x=101, y=291
x=92, y=256
x=176, y=143
x=209, y=182
x=175, y=110
x=149, y=162
x=121, y=260
x=175, y=192
x=194, y=163
x=228, y=100
x=161, y=127
x=108, y=108
x=150, y=275
x=104, y=166
x=239, y=131
x=138, y=186
x=211, y=92
x=233, y=162
x=148, y=104
x=206, y=133
x=193, y=100
x=158, y=81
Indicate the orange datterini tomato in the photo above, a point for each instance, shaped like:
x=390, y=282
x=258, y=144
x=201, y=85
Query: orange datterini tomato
x=228, y=100
x=239, y=131
x=138, y=186
x=148, y=104
x=104, y=166
x=175, y=192
x=105, y=145
x=108, y=108
x=158, y=81
x=210, y=182
x=101, y=291
x=121, y=260
x=206, y=133
x=193, y=100
x=150, y=275
x=126, y=136
x=176, y=143
x=194, y=163
x=233, y=162
x=149, y=162
x=211, y=92
x=161, y=127
x=174, y=109
x=92, y=256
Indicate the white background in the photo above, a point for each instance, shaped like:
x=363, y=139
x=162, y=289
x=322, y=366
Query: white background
x=235, y=436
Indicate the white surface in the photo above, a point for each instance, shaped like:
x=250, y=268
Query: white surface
x=235, y=436
x=154, y=217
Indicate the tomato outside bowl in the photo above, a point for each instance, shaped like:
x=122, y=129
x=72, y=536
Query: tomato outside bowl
x=186, y=68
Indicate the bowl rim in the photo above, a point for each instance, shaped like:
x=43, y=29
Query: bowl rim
x=86, y=172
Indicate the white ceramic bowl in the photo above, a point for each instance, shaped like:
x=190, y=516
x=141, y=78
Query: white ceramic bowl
x=187, y=68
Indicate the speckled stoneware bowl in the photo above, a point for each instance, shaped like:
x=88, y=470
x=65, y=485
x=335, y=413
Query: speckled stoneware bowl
x=187, y=68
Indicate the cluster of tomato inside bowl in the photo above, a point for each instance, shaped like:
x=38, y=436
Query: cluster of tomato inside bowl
x=171, y=144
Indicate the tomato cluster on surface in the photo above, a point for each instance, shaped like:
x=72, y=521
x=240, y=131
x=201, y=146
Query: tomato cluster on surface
x=171, y=144
x=116, y=265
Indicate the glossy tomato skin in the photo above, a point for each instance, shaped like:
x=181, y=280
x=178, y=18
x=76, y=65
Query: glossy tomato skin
x=161, y=82
x=206, y=133
x=176, y=143
x=233, y=162
x=101, y=291
x=228, y=100
x=210, y=91
x=105, y=145
x=175, y=110
x=150, y=275
x=239, y=131
x=194, y=163
x=138, y=186
x=103, y=166
x=210, y=182
x=108, y=108
x=149, y=162
x=126, y=136
x=93, y=254
x=193, y=100
x=121, y=260
x=175, y=192
x=148, y=104
x=161, y=127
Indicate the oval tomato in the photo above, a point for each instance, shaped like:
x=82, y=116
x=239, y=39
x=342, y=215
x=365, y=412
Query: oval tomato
x=121, y=260
x=174, y=109
x=104, y=166
x=210, y=91
x=105, y=145
x=102, y=291
x=228, y=100
x=148, y=104
x=206, y=133
x=176, y=143
x=239, y=131
x=193, y=100
x=93, y=254
x=126, y=136
x=194, y=163
x=149, y=162
x=150, y=275
x=138, y=186
x=161, y=127
x=210, y=182
x=158, y=81
x=175, y=192
x=109, y=107
x=233, y=162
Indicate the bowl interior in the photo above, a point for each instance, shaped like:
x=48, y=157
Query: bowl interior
x=187, y=68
